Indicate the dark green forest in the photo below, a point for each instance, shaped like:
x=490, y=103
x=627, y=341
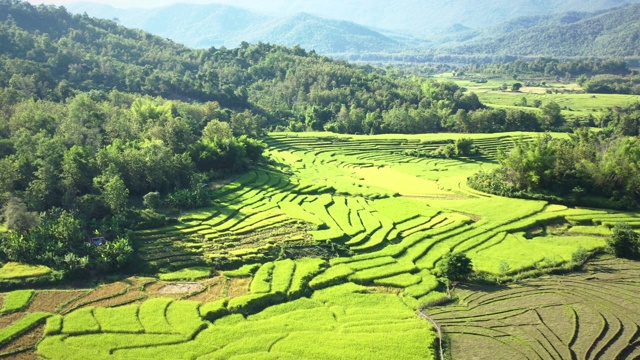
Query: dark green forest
x=598, y=169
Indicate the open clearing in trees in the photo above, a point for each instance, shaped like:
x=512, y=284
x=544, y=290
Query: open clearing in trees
x=392, y=217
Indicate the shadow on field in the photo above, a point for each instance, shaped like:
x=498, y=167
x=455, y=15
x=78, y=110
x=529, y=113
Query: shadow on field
x=477, y=287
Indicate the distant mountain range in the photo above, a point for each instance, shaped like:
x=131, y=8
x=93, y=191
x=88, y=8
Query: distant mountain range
x=614, y=33
x=217, y=25
x=492, y=27
x=420, y=17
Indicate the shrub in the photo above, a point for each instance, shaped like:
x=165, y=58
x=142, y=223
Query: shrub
x=624, y=242
x=152, y=200
x=188, y=198
x=17, y=217
x=580, y=256
x=454, y=267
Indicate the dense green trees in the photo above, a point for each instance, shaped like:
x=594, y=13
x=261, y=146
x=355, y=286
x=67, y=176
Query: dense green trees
x=550, y=67
x=588, y=168
x=77, y=164
x=624, y=242
x=60, y=55
x=455, y=267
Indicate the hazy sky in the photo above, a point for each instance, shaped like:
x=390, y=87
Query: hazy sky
x=123, y=3
x=263, y=5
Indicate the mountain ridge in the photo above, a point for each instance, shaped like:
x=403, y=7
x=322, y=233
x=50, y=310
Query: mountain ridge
x=202, y=26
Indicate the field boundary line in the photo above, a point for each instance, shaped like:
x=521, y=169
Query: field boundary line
x=438, y=328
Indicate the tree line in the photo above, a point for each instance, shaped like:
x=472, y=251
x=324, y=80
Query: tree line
x=587, y=168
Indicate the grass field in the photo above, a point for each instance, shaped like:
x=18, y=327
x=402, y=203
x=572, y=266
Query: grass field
x=570, y=96
x=326, y=253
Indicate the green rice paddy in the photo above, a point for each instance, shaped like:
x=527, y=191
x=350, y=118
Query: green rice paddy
x=328, y=252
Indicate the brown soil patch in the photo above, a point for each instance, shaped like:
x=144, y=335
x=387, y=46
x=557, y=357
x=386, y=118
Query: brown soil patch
x=49, y=301
x=10, y=319
x=134, y=293
x=213, y=293
x=384, y=290
x=153, y=291
x=127, y=298
x=100, y=293
x=25, y=355
x=238, y=287
x=181, y=288
x=27, y=340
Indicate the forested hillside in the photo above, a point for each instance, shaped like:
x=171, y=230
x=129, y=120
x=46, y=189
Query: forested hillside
x=456, y=31
x=59, y=54
x=610, y=34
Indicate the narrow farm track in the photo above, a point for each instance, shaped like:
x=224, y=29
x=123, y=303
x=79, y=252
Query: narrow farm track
x=589, y=315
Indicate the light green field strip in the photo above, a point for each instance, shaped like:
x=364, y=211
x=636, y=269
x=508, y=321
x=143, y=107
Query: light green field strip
x=341, y=215
x=305, y=270
x=296, y=211
x=193, y=273
x=334, y=275
x=80, y=322
x=122, y=319
x=14, y=270
x=261, y=282
x=184, y=317
x=367, y=276
x=427, y=284
x=152, y=316
x=20, y=327
x=282, y=275
x=16, y=300
x=400, y=281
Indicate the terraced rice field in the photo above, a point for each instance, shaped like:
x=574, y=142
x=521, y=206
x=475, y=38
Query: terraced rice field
x=244, y=279
x=588, y=315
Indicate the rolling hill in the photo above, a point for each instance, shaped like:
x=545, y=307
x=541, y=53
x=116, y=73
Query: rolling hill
x=460, y=27
x=202, y=26
x=614, y=33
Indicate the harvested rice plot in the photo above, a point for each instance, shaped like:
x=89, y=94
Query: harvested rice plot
x=587, y=315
